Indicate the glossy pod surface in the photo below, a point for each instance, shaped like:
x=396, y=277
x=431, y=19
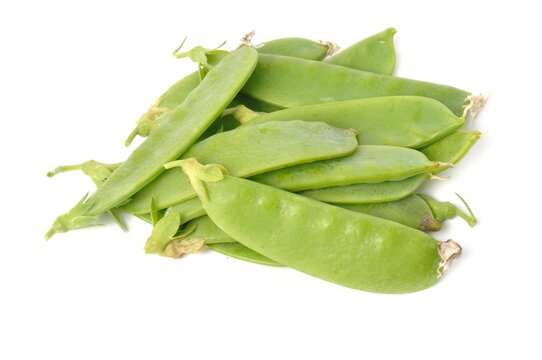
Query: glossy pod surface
x=295, y=47
x=368, y=193
x=409, y=121
x=369, y=164
x=288, y=82
x=246, y=151
x=334, y=244
x=186, y=123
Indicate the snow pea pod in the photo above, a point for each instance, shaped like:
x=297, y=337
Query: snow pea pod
x=186, y=123
x=350, y=249
x=296, y=47
x=207, y=58
x=451, y=148
x=369, y=164
x=368, y=193
x=375, y=54
x=247, y=151
x=417, y=211
x=241, y=252
x=409, y=121
x=288, y=82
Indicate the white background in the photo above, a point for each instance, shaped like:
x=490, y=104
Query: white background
x=74, y=78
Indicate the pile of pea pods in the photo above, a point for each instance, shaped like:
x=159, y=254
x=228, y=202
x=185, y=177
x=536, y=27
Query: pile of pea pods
x=289, y=153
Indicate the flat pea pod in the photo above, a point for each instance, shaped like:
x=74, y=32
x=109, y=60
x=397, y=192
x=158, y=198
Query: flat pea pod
x=375, y=54
x=186, y=123
x=296, y=47
x=241, y=252
x=247, y=151
x=170, y=99
x=369, y=164
x=451, y=148
x=287, y=82
x=347, y=248
x=177, y=93
x=408, y=121
x=368, y=193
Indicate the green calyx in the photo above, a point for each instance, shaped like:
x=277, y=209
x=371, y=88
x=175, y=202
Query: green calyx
x=198, y=174
x=73, y=219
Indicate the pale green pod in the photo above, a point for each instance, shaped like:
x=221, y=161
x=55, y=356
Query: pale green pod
x=408, y=121
x=186, y=123
x=341, y=246
x=287, y=82
x=375, y=54
x=241, y=252
x=451, y=148
x=247, y=151
x=369, y=164
x=368, y=193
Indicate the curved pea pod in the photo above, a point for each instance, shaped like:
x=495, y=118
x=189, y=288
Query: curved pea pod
x=368, y=193
x=416, y=211
x=369, y=164
x=443, y=211
x=344, y=247
x=375, y=54
x=451, y=148
x=247, y=151
x=241, y=252
x=408, y=121
x=185, y=124
x=287, y=82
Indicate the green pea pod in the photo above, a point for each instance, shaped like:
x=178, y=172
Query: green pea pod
x=368, y=193
x=375, y=54
x=287, y=82
x=451, y=148
x=241, y=252
x=416, y=211
x=247, y=151
x=408, y=121
x=296, y=47
x=206, y=59
x=185, y=124
x=369, y=164
x=350, y=249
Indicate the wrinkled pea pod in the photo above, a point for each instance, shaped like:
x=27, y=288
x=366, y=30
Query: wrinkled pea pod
x=368, y=164
x=287, y=82
x=185, y=124
x=247, y=151
x=369, y=253
x=416, y=211
x=409, y=121
x=368, y=193
x=451, y=148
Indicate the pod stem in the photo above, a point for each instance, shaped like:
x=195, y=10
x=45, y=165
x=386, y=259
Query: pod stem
x=241, y=113
x=198, y=174
x=64, y=168
x=470, y=218
x=332, y=48
x=448, y=251
x=475, y=104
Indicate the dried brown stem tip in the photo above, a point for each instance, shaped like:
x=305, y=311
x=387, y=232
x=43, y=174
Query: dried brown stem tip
x=448, y=251
x=332, y=48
